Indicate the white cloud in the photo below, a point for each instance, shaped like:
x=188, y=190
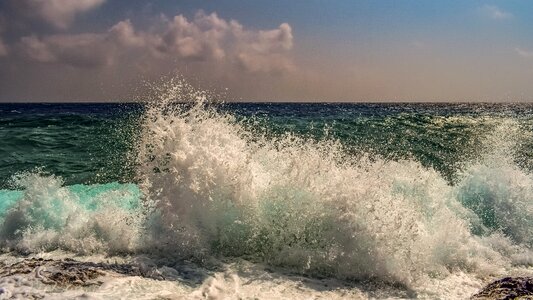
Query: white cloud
x=206, y=38
x=125, y=34
x=201, y=38
x=264, y=51
x=495, y=12
x=59, y=13
x=524, y=53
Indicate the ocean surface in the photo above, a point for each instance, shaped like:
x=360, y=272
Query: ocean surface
x=271, y=200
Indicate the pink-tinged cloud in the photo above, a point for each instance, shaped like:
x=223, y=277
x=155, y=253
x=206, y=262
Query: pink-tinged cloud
x=206, y=38
x=124, y=33
x=59, y=13
x=264, y=51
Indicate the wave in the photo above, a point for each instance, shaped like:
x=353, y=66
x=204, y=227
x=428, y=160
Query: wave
x=44, y=215
x=210, y=188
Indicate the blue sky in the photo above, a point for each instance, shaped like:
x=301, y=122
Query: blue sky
x=105, y=50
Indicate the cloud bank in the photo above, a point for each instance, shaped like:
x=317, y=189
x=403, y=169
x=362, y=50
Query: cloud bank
x=206, y=37
x=56, y=63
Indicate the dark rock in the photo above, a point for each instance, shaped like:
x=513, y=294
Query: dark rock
x=54, y=271
x=507, y=288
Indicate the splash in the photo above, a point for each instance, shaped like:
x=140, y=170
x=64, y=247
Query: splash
x=308, y=206
x=46, y=216
x=497, y=189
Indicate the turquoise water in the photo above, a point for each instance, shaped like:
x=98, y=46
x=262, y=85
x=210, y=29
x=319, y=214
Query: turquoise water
x=90, y=197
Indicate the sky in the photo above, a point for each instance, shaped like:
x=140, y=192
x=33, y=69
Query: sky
x=293, y=50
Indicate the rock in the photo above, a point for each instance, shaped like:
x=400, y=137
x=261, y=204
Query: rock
x=507, y=288
x=55, y=272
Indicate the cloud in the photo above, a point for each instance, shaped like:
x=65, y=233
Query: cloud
x=205, y=38
x=82, y=50
x=202, y=38
x=86, y=50
x=264, y=51
x=59, y=13
x=524, y=53
x=495, y=13
x=124, y=33
x=208, y=37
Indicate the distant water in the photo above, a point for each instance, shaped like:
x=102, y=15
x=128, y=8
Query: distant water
x=430, y=196
x=92, y=143
x=83, y=143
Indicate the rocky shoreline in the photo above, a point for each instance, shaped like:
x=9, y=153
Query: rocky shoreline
x=507, y=288
x=32, y=278
x=70, y=273
x=64, y=272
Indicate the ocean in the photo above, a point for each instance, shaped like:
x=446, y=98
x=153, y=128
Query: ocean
x=167, y=200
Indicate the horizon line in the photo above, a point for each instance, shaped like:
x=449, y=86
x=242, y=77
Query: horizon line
x=277, y=102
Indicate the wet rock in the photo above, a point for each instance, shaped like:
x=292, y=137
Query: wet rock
x=54, y=271
x=507, y=288
x=22, y=267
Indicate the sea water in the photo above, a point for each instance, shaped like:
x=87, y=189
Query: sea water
x=271, y=200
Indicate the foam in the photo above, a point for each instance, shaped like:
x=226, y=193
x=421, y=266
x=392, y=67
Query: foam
x=83, y=219
x=306, y=205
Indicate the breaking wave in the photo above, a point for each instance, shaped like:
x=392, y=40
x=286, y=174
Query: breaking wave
x=209, y=187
